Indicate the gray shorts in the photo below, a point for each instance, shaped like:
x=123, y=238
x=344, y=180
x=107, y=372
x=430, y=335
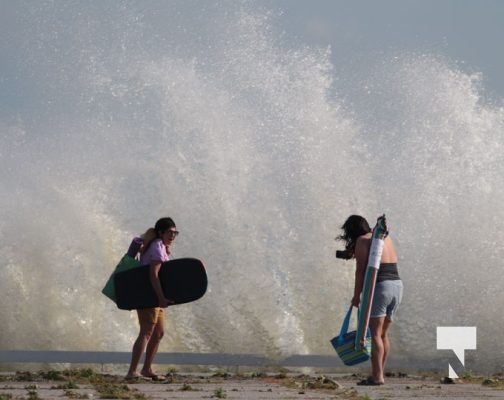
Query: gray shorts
x=386, y=299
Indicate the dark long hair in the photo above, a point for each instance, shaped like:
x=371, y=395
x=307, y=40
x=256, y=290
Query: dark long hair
x=354, y=226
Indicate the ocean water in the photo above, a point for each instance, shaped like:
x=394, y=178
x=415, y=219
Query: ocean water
x=117, y=114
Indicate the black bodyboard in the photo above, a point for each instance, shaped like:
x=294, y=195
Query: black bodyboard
x=183, y=280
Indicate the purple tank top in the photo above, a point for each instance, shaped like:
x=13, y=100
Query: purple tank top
x=156, y=252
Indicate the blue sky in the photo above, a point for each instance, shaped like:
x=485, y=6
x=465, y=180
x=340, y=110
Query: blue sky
x=469, y=32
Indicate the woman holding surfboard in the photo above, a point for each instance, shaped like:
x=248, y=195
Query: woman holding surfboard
x=155, y=250
x=388, y=289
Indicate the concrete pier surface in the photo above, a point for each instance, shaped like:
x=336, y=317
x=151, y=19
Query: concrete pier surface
x=87, y=384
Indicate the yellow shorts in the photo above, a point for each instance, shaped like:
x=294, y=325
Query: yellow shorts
x=151, y=316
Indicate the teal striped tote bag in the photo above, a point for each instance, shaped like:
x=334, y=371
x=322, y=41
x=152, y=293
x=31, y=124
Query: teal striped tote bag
x=344, y=344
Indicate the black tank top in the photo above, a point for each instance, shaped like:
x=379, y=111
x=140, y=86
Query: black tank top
x=388, y=272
